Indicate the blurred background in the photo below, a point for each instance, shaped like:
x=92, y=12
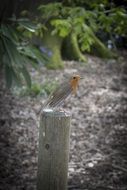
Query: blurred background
x=41, y=44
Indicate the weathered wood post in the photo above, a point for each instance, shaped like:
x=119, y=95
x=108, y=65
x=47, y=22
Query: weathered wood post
x=53, y=155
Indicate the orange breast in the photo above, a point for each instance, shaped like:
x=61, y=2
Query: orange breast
x=74, y=85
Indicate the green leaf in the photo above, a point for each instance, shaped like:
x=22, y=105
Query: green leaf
x=33, y=52
x=54, y=32
x=8, y=76
x=27, y=24
x=62, y=27
x=16, y=76
x=8, y=45
x=32, y=62
x=1, y=53
x=26, y=76
x=11, y=75
x=9, y=32
x=50, y=10
x=14, y=56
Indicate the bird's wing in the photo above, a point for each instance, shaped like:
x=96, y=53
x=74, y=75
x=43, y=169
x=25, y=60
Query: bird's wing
x=59, y=95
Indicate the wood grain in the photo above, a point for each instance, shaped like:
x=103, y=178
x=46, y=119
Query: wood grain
x=53, y=155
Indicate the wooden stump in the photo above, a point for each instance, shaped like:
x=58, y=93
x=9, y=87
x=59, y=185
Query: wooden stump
x=53, y=155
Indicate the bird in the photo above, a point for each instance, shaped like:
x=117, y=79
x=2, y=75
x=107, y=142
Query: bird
x=61, y=93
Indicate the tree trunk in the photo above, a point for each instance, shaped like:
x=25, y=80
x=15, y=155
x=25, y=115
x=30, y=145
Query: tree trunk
x=71, y=49
x=101, y=50
x=53, y=43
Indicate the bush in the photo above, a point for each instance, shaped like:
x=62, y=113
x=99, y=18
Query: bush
x=16, y=51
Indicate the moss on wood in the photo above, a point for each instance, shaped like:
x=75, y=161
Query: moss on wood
x=101, y=50
x=71, y=49
x=53, y=43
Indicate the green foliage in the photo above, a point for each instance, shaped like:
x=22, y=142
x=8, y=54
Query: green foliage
x=113, y=21
x=49, y=86
x=98, y=17
x=37, y=89
x=16, y=52
x=50, y=10
x=33, y=53
x=86, y=39
x=65, y=20
x=62, y=27
x=86, y=4
x=34, y=91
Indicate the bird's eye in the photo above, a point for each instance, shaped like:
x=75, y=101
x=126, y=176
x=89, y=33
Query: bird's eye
x=74, y=77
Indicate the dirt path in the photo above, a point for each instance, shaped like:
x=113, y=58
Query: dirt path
x=98, y=144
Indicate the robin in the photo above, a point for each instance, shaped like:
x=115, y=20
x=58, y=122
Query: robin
x=57, y=98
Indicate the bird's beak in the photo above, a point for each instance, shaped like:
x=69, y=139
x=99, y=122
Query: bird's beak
x=81, y=77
